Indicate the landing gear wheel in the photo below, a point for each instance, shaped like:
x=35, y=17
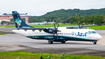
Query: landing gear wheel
x=50, y=42
x=94, y=42
x=62, y=41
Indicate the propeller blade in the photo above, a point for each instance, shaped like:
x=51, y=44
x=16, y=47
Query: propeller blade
x=58, y=26
x=83, y=24
x=79, y=23
x=57, y=35
x=54, y=25
x=53, y=35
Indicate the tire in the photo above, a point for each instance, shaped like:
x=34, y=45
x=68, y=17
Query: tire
x=94, y=42
x=63, y=41
x=50, y=42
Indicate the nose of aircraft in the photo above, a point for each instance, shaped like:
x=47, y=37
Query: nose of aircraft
x=99, y=36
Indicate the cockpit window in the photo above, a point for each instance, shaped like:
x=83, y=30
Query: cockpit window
x=91, y=32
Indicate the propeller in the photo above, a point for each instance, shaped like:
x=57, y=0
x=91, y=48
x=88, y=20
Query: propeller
x=56, y=30
x=79, y=24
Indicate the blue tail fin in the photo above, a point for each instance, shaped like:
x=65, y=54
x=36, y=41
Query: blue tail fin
x=19, y=23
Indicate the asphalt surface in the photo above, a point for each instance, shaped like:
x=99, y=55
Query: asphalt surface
x=12, y=42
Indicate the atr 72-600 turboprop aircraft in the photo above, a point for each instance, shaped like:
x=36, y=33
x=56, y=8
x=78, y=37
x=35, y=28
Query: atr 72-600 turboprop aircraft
x=56, y=34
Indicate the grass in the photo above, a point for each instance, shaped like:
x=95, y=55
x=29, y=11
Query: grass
x=50, y=25
x=29, y=55
x=2, y=33
x=7, y=25
x=96, y=27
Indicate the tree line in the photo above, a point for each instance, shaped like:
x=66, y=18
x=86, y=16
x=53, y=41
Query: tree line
x=96, y=16
x=99, y=19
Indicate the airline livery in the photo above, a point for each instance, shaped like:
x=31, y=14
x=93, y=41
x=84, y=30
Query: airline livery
x=56, y=34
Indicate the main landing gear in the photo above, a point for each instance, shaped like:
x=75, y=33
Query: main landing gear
x=50, y=42
x=63, y=41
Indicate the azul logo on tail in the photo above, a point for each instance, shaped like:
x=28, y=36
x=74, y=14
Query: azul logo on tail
x=18, y=21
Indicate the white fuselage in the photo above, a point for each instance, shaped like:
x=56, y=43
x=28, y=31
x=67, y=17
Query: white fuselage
x=84, y=34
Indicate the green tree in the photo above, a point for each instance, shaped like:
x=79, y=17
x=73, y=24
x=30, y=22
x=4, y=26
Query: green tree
x=50, y=18
x=98, y=20
x=3, y=22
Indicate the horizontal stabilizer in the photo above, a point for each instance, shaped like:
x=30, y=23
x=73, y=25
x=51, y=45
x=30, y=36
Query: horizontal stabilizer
x=33, y=28
x=14, y=14
x=7, y=14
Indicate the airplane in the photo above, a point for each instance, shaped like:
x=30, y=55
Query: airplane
x=54, y=34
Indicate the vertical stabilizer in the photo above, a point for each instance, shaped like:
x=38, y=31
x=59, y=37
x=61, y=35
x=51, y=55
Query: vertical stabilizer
x=19, y=23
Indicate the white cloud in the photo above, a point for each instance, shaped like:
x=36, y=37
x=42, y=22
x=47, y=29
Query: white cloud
x=40, y=7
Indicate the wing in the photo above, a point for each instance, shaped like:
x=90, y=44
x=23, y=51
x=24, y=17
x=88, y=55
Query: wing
x=33, y=29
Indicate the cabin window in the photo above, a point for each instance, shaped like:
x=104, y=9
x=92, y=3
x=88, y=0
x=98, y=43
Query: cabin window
x=93, y=32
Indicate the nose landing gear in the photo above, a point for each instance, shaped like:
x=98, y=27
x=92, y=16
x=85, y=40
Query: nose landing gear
x=94, y=42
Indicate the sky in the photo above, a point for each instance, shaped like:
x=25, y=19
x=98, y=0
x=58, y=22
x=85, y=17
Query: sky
x=41, y=7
